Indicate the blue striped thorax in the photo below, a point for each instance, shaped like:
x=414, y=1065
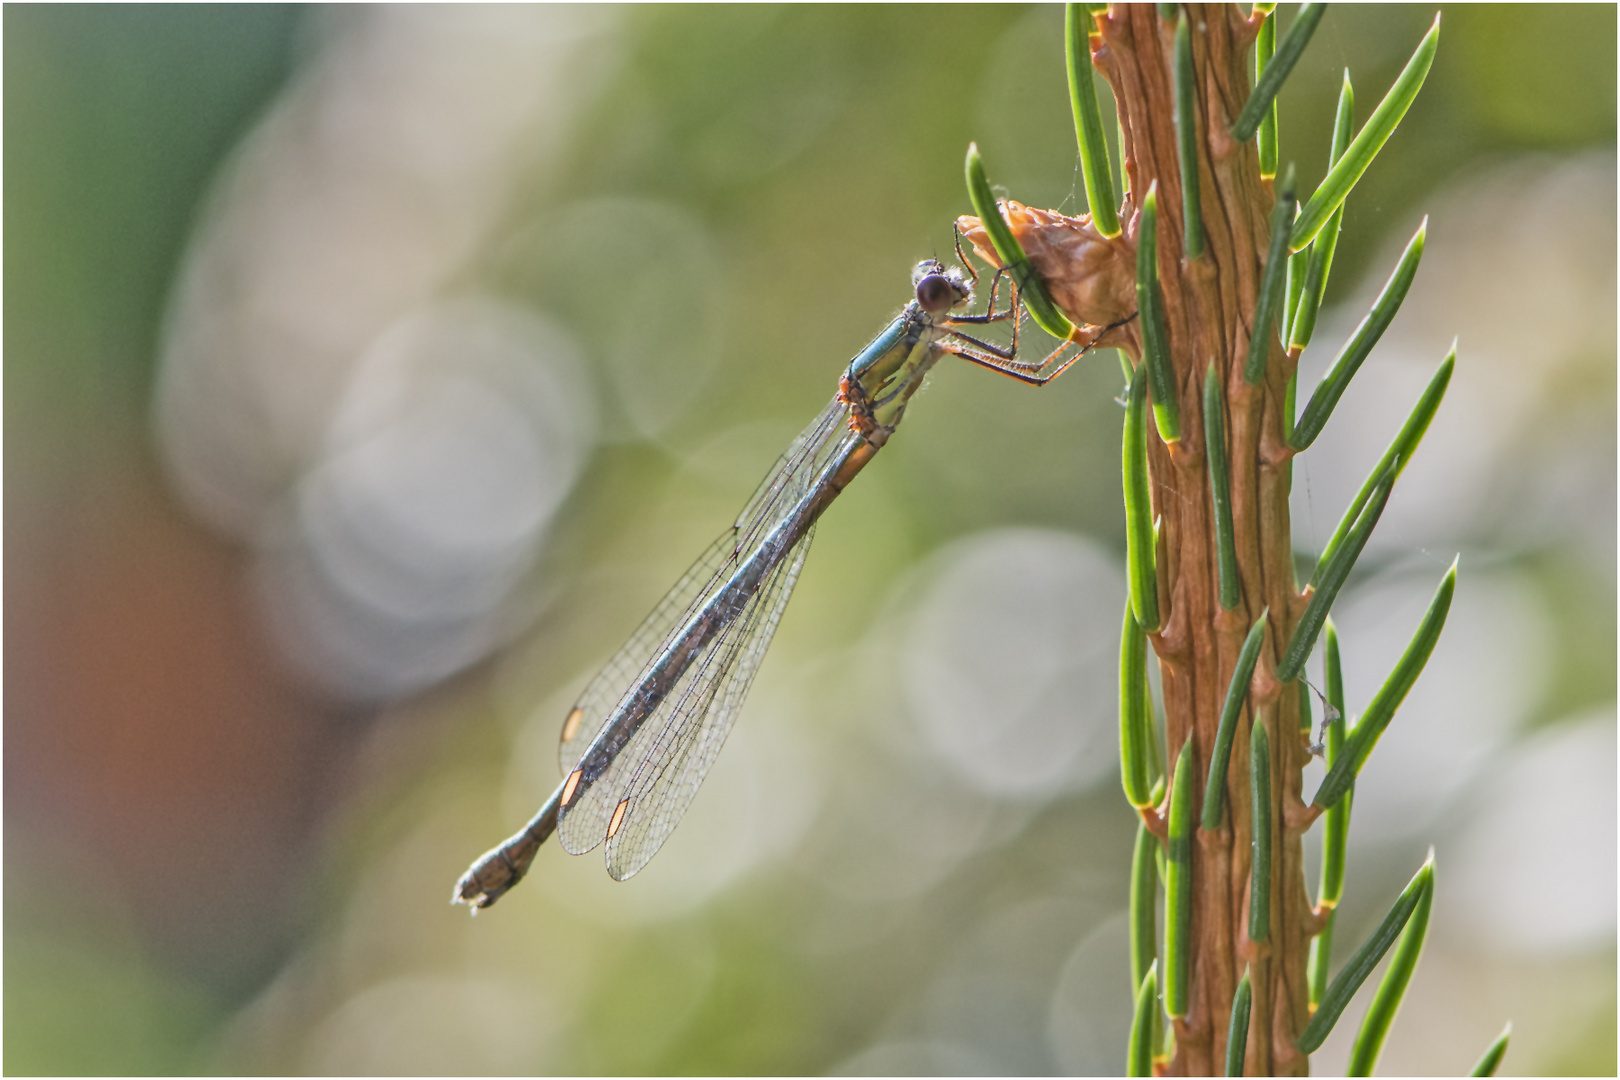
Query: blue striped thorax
x=884, y=375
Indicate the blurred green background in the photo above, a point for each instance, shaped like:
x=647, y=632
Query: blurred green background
x=371, y=371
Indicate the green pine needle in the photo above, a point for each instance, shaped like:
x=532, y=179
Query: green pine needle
x=1361, y=963
x=1371, y=139
x=1316, y=967
x=1139, y=1054
x=1277, y=71
x=1348, y=362
x=1400, y=451
x=1387, y=1001
x=1185, y=118
x=1178, y=887
x=1150, y=305
x=1144, y=893
x=1260, y=816
x=1330, y=578
x=1492, y=1060
x=1088, y=132
x=1265, y=46
x=1220, y=489
x=1303, y=324
x=1297, y=264
x=1135, y=730
x=1237, y=692
x=1237, y=1031
x=1381, y=710
x=1271, y=283
x=1336, y=821
x=1139, y=545
x=1031, y=289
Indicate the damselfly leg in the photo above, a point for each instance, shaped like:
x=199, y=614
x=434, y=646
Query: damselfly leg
x=1035, y=373
x=1004, y=359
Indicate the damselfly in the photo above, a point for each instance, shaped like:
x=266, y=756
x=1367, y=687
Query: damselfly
x=643, y=734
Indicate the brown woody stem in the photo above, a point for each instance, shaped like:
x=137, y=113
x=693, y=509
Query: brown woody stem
x=1208, y=304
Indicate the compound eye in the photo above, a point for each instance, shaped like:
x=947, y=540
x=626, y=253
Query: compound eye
x=935, y=293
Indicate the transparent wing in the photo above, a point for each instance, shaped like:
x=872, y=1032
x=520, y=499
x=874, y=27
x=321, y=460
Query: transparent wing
x=663, y=741
x=685, y=743
x=786, y=483
x=596, y=703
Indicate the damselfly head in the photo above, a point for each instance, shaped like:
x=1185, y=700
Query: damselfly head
x=939, y=289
